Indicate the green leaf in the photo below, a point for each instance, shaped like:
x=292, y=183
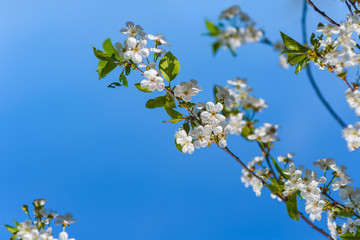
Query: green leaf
x=16, y=223
x=170, y=102
x=138, y=86
x=112, y=85
x=173, y=113
x=123, y=79
x=215, y=47
x=105, y=68
x=127, y=70
x=178, y=146
x=169, y=66
x=231, y=50
x=278, y=168
x=214, y=30
x=155, y=103
x=186, y=127
x=350, y=236
x=100, y=54
x=291, y=44
x=109, y=49
x=186, y=104
x=11, y=229
x=291, y=206
x=174, y=120
x=341, y=212
x=302, y=64
x=275, y=187
x=296, y=58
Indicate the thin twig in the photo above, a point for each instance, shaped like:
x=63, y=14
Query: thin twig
x=266, y=155
x=314, y=226
x=321, y=12
x=337, y=203
x=354, y=5
x=280, y=196
x=347, y=83
x=310, y=76
x=349, y=7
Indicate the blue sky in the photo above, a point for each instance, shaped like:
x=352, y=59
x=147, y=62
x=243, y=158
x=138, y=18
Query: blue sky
x=100, y=154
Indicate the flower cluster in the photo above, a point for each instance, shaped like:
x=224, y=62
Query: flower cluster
x=186, y=90
x=337, y=50
x=352, y=136
x=353, y=99
x=234, y=29
x=39, y=228
x=227, y=116
x=243, y=99
x=213, y=129
x=249, y=180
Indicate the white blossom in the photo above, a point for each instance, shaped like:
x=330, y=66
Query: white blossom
x=65, y=220
x=153, y=81
x=212, y=115
x=224, y=94
x=237, y=123
x=185, y=141
x=265, y=133
x=133, y=31
x=158, y=39
x=136, y=50
x=186, y=90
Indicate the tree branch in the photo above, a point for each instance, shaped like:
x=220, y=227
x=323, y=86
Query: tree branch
x=310, y=76
x=321, y=12
x=247, y=169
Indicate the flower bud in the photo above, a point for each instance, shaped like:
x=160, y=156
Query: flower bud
x=39, y=203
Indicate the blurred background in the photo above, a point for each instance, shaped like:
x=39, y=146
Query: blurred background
x=100, y=154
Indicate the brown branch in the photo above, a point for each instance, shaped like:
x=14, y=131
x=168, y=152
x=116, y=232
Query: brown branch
x=321, y=12
x=354, y=5
x=349, y=7
x=266, y=155
x=337, y=203
x=312, y=225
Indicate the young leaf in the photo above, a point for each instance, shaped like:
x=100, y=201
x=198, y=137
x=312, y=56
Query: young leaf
x=278, y=168
x=138, y=86
x=294, y=59
x=169, y=66
x=215, y=47
x=302, y=64
x=127, y=70
x=11, y=229
x=178, y=146
x=291, y=44
x=173, y=113
x=174, y=120
x=186, y=127
x=350, y=236
x=231, y=50
x=170, y=102
x=105, y=70
x=155, y=103
x=100, y=54
x=214, y=30
x=291, y=206
x=109, y=48
x=112, y=85
x=275, y=187
x=123, y=79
